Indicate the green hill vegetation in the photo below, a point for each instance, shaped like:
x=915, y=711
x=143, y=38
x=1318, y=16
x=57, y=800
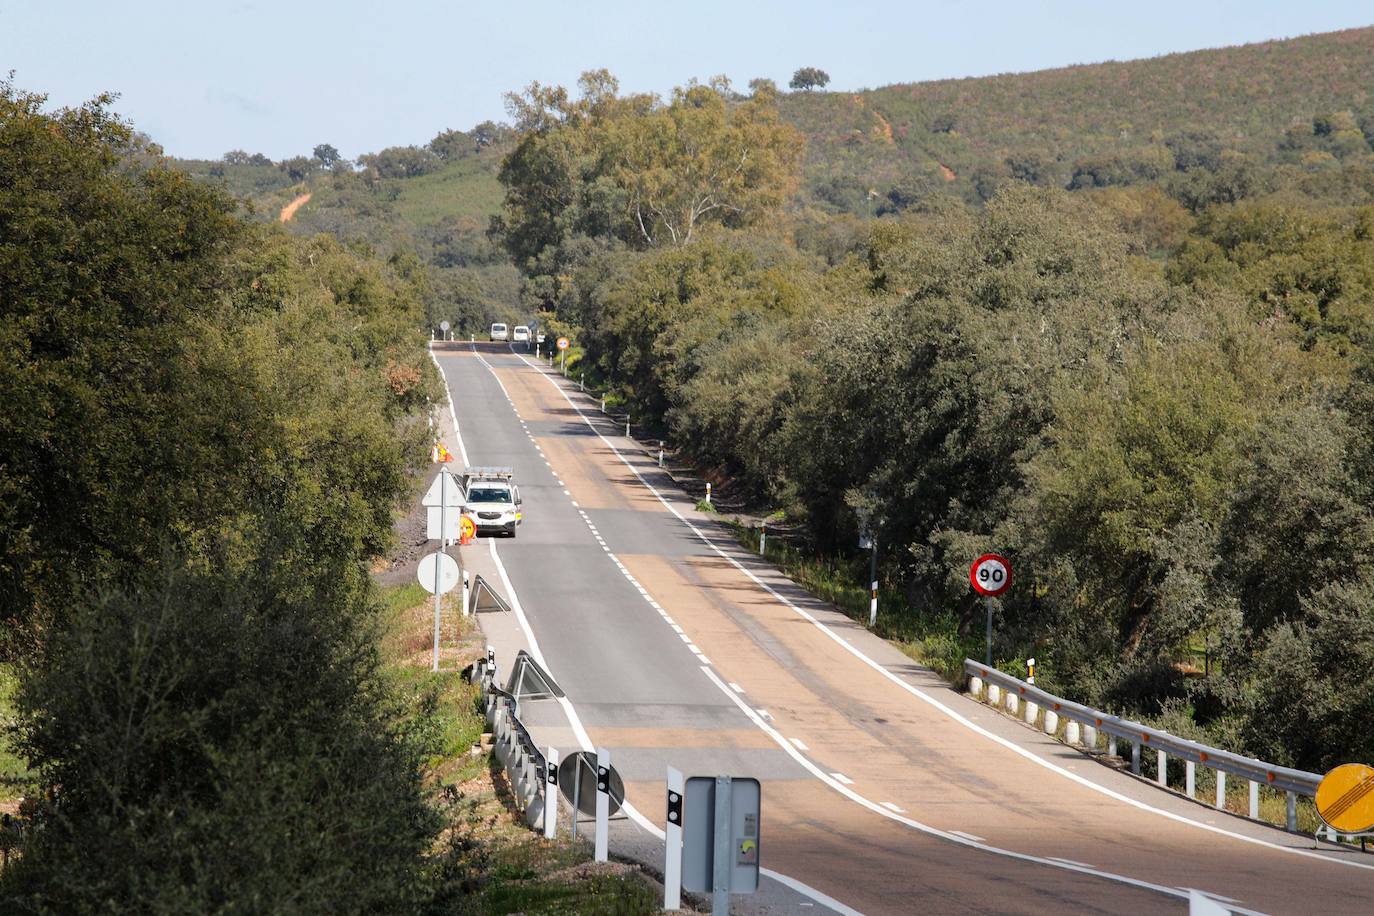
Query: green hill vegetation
x=1304, y=103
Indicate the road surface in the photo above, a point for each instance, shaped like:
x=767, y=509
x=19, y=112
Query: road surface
x=884, y=791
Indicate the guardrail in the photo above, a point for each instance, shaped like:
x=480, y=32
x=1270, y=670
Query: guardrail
x=512, y=745
x=1084, y=724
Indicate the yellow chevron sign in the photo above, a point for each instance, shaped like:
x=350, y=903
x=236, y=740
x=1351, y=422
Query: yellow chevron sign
x=1345, y=798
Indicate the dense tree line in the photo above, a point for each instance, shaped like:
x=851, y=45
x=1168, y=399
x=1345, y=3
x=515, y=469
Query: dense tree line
x=207, y=425
x=1154, y=399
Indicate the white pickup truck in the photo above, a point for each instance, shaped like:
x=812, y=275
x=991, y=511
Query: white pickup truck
x=493, y=499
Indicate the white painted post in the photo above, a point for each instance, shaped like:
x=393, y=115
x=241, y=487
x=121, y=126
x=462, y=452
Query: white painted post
x=1032, y=710
x=1221, y=789
x=660, y=453
x=1090, y=737
x=603, y=403
x=1254, y=799
x=708, y=493
x=763, y=539
x=1071, y=733
x=1111, y=745
x=439, y=560
x=1013, y=703
x=466, y=597
x=1162, y=761
x=1135, y=757
x=579, y=382
x=672, y=855
x=603, y=804
x=1051, y=722
x=975, y=687
x=550, y=793
x=994, y=695
x=1291, y=821
x=1190, y=778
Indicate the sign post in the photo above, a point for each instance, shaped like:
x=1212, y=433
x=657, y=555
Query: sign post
x=563, y=345
x=991, y=576
x=444, y=496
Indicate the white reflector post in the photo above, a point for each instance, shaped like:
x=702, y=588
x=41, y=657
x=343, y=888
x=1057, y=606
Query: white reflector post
x=603, y=804
x=551, y=793
x=672, y=854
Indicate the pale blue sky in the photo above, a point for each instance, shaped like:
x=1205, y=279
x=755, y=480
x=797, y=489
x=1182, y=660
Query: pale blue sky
x=280, y=77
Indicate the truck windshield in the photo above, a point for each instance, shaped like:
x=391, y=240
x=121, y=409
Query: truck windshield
x=488, y=495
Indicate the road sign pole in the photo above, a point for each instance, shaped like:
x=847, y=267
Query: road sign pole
x=721, y=859
x=439, y=565
x=988, y=602
x=577, y=793
x=672, y=855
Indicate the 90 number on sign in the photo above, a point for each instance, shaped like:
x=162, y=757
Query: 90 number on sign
x=990, y=574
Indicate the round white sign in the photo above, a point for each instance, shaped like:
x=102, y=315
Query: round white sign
x=990, y=574
x=443, y=325
x=448, y=572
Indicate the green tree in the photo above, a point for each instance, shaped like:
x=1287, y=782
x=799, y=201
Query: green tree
x=807, y=78
x=327, y=155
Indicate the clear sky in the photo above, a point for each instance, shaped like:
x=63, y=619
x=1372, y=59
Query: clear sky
x=279, y=77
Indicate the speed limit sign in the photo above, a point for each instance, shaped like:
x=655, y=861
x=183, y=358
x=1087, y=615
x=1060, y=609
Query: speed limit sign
x=562, y=343
x=990, y=574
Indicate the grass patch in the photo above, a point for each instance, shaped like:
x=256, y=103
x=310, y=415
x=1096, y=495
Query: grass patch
x=437, y=709
x=466, y=189
x=14, y=771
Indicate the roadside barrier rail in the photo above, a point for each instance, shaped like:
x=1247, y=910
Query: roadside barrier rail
x=512, y=745
x=1084, y=724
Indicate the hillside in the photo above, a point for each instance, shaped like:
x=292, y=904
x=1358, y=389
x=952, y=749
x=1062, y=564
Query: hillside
x=1246, y=97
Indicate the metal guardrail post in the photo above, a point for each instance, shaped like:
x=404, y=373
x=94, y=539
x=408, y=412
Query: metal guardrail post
x=1111, y=745
x=1135, y=757
x=1190, y=778
x=1291, y=818
x=1221, y=789
x=1162, y=762
x=1254, y=799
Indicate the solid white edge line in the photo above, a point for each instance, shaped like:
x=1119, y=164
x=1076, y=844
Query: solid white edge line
x=575, y=722
x=920, y=694
x=878, y=809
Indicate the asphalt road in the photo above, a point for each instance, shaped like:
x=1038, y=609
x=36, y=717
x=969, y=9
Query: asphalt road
x=883, y=790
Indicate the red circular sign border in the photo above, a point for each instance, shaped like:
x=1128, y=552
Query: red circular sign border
x=973, y=574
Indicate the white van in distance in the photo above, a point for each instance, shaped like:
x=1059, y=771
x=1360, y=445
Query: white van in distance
x=498, y=331
x=520, y=334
